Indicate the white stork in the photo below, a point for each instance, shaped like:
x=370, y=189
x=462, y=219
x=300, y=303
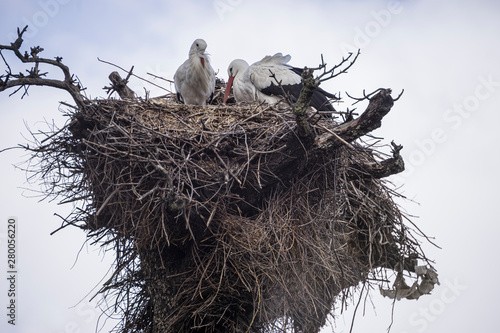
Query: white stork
x=259, y=82
x=195, y=79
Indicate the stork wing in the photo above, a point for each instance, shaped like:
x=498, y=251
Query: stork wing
x=272, y=72
x=179, y=79
x=273, y=76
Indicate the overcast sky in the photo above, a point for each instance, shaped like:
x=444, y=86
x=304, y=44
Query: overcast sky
x=445, y=54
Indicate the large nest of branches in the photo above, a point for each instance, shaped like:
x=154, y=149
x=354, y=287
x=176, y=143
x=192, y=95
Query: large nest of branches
x=223, y=219
x=239, y=218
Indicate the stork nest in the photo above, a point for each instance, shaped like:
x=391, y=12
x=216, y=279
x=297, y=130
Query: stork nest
x=214, y=226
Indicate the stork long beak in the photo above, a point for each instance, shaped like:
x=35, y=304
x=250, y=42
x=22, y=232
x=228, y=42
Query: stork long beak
x=203, y=56
x=228, y=88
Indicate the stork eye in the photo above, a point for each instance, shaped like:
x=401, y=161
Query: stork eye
x=197, y=45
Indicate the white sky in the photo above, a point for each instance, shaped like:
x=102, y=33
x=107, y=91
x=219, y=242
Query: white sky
x=444, y=54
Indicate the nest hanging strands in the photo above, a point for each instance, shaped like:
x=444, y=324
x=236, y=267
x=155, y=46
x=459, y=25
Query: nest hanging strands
x=217, y=225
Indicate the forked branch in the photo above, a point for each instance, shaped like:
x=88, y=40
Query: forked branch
x=371, y=119
x=34, y=76
x=378, y=170
x=338, y=69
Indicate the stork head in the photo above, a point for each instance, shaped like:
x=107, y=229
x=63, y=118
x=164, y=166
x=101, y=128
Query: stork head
x=198, y=49
x=236, y=67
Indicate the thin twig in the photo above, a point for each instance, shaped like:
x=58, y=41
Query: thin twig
x=154, y=84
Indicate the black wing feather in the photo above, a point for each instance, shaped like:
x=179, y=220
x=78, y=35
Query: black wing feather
x=319, y=98
x=179, y=98
x=290, y=90
x=320, y=102
x=297, y=70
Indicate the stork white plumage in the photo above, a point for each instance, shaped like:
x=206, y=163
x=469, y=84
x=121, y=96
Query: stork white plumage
x=195, y=79
x=270, y=79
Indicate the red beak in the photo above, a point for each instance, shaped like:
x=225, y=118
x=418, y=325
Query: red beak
x=228, y=88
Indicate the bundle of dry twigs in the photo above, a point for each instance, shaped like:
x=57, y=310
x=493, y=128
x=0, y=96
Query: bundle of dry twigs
x=212, y=229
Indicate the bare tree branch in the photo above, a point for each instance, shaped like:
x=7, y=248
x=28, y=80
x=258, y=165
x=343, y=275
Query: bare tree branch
x=368, y=121
x=140, y=78
x=34, y=77
x=299, y=109
x=378, y=170
x=331, y=73
x=120, y=86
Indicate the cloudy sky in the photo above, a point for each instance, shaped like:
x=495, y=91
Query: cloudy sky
x=444, y=54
